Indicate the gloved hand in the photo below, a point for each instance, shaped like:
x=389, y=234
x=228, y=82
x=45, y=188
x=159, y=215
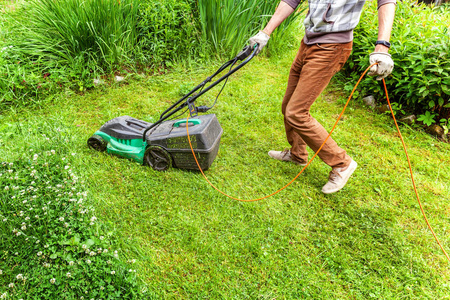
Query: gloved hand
x=384, y=67
x=261, y=39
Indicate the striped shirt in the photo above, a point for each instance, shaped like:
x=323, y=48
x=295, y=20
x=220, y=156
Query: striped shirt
x=332, y=21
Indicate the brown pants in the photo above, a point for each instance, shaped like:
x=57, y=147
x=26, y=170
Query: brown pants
x=311, y=71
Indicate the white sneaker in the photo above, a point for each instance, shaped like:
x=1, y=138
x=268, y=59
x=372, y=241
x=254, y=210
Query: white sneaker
x=338, y=178
x=284, y=155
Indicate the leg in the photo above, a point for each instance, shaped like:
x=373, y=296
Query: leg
x=298, y=146
x=314, y=67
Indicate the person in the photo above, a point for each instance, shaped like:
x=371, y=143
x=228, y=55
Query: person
x=324, y=49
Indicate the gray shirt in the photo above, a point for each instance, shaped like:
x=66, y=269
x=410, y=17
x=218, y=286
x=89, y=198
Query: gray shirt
x=332, y=21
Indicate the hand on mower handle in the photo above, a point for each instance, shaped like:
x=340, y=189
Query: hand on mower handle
x=260, y=39
x=384, y=66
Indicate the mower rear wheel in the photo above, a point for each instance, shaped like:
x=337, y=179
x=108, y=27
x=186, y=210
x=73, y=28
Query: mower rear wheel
x=96, y=142
x=157, y=158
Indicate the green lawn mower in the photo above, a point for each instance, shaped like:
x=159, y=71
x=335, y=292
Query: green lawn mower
x=164, y=143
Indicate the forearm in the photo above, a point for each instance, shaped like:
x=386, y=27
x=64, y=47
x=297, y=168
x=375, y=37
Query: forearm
x=386, y=15
x=281, y=13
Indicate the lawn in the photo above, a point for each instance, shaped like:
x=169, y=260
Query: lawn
x=190, y=242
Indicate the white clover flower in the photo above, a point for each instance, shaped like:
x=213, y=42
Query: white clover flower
x=18, y=233
x=84, y=246
x=11, y=285
x=66, y=167
x=1, y=272
x=53, y=152
x=46, y=246
x=46, y=265
x=37, y=242
x=6, y=188
x=61, y=219
x=52, y=281
x=39, y=253
x=88, y=261
x=113, y=272
x=3, y=296
x=27, y=218
x=132, y=261
x=93, y=219
x=102, y=288
x=92, y=253
x=19, y=276
x=130, y=270
x=66, y=224
x=35, y=157
x=108, y=262
x=5, y=219
x=105, y=250
x=24, y=227
x=68, y=275
x=71, y=263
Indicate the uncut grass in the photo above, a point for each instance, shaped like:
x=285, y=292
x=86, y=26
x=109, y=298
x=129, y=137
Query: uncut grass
x=367, y=241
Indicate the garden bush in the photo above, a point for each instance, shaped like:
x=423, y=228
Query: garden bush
x=420, y=81
x=50, y=239
x=167, y=31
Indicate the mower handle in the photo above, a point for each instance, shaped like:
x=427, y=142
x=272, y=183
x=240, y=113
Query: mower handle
x=245, y=56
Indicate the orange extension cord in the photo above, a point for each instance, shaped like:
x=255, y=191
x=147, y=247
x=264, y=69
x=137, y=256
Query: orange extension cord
x=335, y=124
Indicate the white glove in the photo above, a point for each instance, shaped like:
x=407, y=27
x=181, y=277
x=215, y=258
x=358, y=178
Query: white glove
x=261, y=39
x=384, y=67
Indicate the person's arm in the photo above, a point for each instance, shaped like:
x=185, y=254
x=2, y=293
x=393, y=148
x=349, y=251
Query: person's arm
x=283, y=11
x=386, y=15
x=380, y=56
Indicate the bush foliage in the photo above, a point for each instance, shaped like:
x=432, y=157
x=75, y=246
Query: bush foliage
x=167, y=31
x=420, y=41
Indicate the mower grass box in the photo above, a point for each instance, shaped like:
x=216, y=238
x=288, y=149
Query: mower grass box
x=165, y=145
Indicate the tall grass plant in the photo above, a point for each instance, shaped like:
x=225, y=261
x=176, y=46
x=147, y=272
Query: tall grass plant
x=227, y=25
x=63, y=31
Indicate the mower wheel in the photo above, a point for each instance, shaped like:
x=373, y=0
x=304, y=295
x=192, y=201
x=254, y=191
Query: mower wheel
x=157, y=158
x=96, y=142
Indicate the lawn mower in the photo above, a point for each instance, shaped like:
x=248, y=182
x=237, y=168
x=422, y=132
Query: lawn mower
x=164, y=143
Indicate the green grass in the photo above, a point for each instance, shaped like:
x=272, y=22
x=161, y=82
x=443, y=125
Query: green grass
x=367, y=241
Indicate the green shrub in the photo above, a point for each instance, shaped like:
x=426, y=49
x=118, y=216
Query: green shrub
x=166, y=31
x=52, y=245
x=420, y=49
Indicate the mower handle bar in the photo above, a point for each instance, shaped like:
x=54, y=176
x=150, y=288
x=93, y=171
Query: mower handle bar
x=245, y=56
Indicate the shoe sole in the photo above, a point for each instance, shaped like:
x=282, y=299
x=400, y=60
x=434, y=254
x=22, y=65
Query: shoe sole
x=352, y=167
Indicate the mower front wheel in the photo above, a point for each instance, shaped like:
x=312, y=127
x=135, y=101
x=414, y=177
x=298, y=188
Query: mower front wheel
x=157, y=158
x=96, y=142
